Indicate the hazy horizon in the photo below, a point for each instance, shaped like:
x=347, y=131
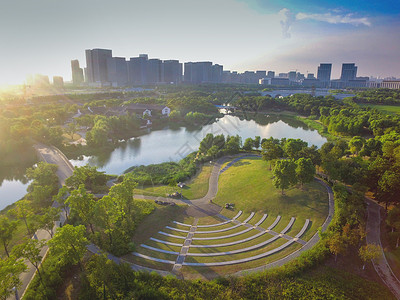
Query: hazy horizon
x=44, y=36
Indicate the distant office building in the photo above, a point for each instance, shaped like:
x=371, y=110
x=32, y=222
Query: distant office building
x=390, y=84
x=172, y=71
x=311, y=82
x=310, y=76
x=77, y=72
x=155, y=71
x=198, y=72
x=58, y=81
x=300, y=76
x=38, y=80
x=216, y=73
x=349, y=72
x=261, y=74
x=96, y=64
x=265, y=81
x=283, y=75
x=137, y=70
x=292, y=75
x=280, y=81
x=117, y=71
x=270, y=74
x=324, y=74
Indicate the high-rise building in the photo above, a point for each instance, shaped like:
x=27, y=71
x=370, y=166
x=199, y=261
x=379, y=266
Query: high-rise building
x=310, y=76
x=324, y=74
x=155, y=72
x=349, y=72
x=77, y=72
x=217, y=73
x=271, y=74
x=292, y=75
x=58, y=81
x=117, y=71
x=137, y=70
x=172, y=71
x=96, y=64
x=198, y=72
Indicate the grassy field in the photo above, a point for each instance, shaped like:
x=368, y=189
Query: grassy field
x=387, y=109
x=194, y=189
x=248, y=185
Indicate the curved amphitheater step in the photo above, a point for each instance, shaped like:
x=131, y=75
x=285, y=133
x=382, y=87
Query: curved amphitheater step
x=184, y=252
x=212, y=225
x=187, y=243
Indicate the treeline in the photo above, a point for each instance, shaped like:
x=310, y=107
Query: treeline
x=378, y=96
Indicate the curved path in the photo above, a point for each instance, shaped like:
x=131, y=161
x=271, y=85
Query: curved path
x=380, y=264
x=201, y=207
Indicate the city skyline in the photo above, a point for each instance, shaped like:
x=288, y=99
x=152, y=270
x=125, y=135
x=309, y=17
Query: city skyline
x=43, y=37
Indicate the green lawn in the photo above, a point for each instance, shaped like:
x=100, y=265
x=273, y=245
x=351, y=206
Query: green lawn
x=194, y=189
x=387, y=109
x=248, y=184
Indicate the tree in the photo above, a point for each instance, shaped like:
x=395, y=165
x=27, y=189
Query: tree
x=271, y=150
x=293, y=147
x=71, y=129
x=10, y=270
x=356, y=144
x=393, y=220
x=87, y=175
x=30, y=250
x=47, y=219
x=206, y=143
x=337, y=244
x=248, y=144
x=82, y=203
x=369, y=252
x=69, y=244
x=305, y=170
x=232, y=144
x=107, y=215
x=388, y=188
x=22, y=211
x=43, y=174
x=7, y=228
x=213, y=151
x=61, y=198
x=284, y=174
x=256, y=141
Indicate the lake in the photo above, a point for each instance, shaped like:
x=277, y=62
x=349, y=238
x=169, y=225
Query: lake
x=11, y=191
x=172, y=144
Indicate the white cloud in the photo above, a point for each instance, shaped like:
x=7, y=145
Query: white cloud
x=334, y=19
x=286, y=19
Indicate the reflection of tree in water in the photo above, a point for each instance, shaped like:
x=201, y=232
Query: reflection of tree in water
x=16, y=172
x=274, y=118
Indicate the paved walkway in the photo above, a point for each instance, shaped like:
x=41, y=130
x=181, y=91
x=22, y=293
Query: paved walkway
x=184, y=250
x=381, y=265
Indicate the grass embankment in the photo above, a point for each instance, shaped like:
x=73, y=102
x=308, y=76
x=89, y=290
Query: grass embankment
x=196, y=188
x=248, y=184
x=386, y=109
x=315, y=124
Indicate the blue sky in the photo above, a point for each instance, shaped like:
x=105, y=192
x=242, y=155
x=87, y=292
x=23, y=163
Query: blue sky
x=42, y=36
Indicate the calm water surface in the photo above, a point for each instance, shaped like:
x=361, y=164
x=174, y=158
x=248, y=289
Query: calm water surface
x=174, y=144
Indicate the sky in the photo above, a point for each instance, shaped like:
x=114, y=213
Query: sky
x=43, y=36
